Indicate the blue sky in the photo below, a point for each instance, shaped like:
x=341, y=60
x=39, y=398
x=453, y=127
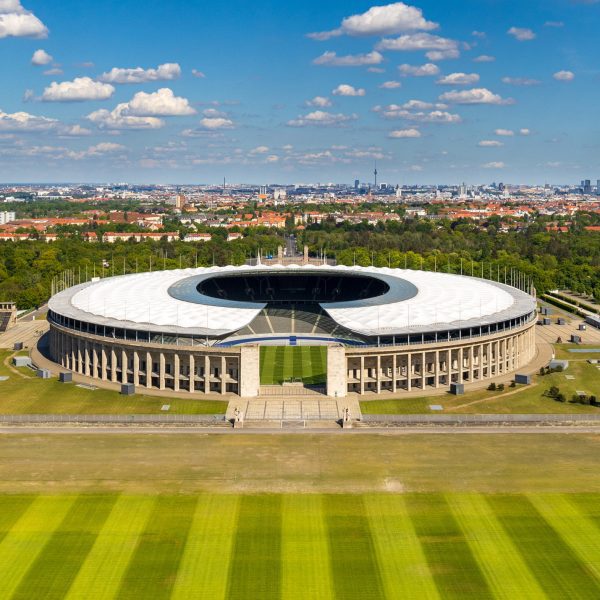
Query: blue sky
x=300, y=91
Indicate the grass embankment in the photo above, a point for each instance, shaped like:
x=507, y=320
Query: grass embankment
x=519, y=400
x=24, y=393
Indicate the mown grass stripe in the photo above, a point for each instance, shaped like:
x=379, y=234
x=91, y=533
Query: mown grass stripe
x=305, y=549
x=153, y=568
x=27, y=538
x=203, y=571
x=255, y=566
x=297, y=356
x=55, y=568
x=100, y=575
x=318, y=361
x=351, y=552
x=505, y=570
x=279, y=364
x=576, y=529
x=548, y=557
x=11, y=509
x=454, y=568
x=404, y=569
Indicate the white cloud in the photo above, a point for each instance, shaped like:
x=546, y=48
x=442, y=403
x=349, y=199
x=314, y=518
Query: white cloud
x=198, y=74
x=490, y=144
x=53, y=71
x=214, y=123
x=119, y=118
x=40, y=58
x=564, y=76
x=423, y=113
x=504, y=132
x=166, y=72
x=525, y=131
x=522, y=34
x=348, y=90
x=494, y=165
x=380, y=20
x=474, y=96
x=437, y=55
x=319, y=101
x=484, y=58
x=417, y=41
x=459, y=79
x=426, y=70
x=390, y=85
x=521, y=81
x=260, y=150
x=405, y=133
x=478, y=34
x=22, y=121
x=321, y=118
x=375, y=70
x=76, y=131
x=557, y=24
x=104, y=148
x=272, y=158
x=331, y=59
x=162, y=103
x=78, y=90
x=16, y=21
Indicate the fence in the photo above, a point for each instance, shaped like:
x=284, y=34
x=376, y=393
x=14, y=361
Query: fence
x=491, y=419
x=113, y=419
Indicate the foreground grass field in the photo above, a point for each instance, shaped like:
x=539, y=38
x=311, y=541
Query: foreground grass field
x=300, y=546
x=26, y=394
x=284, y=363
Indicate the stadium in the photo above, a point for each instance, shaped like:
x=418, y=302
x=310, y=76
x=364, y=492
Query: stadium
x=202, y=330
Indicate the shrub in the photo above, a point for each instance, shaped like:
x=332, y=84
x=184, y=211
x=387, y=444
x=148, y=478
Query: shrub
x=500, y=387
x=560, y=398
x=513, y=384
x=492, y=387
x=553, y=392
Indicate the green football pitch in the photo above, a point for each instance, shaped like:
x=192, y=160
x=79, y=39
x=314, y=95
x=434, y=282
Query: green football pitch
x=457, y=545
x=286, y=363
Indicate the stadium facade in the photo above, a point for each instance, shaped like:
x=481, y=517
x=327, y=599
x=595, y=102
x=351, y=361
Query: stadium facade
x=200, y=330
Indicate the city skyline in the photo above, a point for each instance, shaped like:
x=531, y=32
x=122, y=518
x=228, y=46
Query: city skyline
x=495, y=91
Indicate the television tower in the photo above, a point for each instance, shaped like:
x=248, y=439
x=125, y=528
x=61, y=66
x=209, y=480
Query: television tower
x=375, y=173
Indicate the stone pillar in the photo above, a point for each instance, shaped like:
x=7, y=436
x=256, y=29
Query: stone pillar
x=378, y=374
x=136, y=368
x=103, y=363
x=192, y=374
x=408, y=372
x=423, y=370
x=95, y=361
x=223, y=374
x=437, y=369
x=461, y=364
x=176, y=369
x=79, y=357
x=148, y=370
x=113, y=365
x=124, y=366
x=471, y=370
x=206, y=373
x=249, y=372
x=394, y=366
x=489, y=360
x=362, y=375
x=161, y=371
x=337, y=384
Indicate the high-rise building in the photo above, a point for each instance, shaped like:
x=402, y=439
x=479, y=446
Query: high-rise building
x=587, y=186
x=356, y=185
x=598, y=186
x=180, y=201
x=6, y=217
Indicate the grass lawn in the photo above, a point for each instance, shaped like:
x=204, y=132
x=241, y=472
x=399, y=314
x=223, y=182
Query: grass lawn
x=30, y=395
x=519, y=400
x=287, y=546
x=284, y=363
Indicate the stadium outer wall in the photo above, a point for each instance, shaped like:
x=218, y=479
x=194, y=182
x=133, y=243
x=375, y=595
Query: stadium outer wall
x=235, y=370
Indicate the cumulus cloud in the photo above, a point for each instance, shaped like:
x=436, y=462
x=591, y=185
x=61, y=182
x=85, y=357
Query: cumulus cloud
x=214, y=123
x=521, y=81
x=390, y=85
x=525, y=131
x=426, y=70
x=380, y=20
x=331, y=59
x=484, y=58
x=504, y=132
x=417, y=41
x=162, y=103
x=53, y=71
x=16, y=21
x=119, y=118
x=564, y=76
x=348, y=90
x=419, y=112
x=78, y=90
x=474, y=96
x=25, y=122
x=459, y=79
x=405, y=133
x=259, y=150
x=522, y=34
x=198, y=74
x=40, y=58
x=76, y=131
x=494, y=165
x=166, y=72
x=319, y=101
x=321, y=118
x=490, y=144
x=437, y=55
